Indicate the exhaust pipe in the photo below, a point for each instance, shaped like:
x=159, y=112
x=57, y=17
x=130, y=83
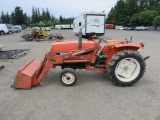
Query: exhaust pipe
x=80, y=39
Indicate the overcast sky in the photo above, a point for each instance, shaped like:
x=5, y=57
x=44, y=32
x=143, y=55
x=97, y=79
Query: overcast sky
x=66, y=8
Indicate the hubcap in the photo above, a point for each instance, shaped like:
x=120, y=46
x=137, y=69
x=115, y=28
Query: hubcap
x=127, y=69
x=68, y=78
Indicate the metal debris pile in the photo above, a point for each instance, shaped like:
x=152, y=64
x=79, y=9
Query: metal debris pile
x=58, y=37
x=1, y=67
x=12, y=54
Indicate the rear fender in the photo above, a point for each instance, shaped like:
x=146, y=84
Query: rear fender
x=121, y=47
x=106, y=49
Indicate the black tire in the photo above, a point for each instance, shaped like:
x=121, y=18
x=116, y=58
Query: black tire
x=36, y=38
x=2, y=32
x=68, y=74
x=10, y=32
x=126, y=68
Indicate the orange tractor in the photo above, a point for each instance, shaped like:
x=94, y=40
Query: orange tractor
x=118, y=58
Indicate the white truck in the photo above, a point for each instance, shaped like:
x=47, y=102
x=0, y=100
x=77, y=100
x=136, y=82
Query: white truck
x=17, y=28
x=90, y=23
x=3, y=29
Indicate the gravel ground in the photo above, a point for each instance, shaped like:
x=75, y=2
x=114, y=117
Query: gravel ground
x=94, y=97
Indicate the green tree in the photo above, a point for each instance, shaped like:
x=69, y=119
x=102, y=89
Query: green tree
x=39, y=15
x=143, y=18
x=156, y=21
x=2, y=17
x=41, y=24
x=134, y=12
x=135, y=20
x=43, y=18
x=53, y=18
x=49, y=23
x=60, y=19
x=18, y=16
x=34, y=15
x=147, y=17
x=12, y=18
x=131, y=8
x=7, y=18
x=26, y=21
x=158, y=9
x=142, y=4
x=48, y=16
x=111, y=17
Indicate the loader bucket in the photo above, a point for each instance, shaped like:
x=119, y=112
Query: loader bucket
x=26, y=77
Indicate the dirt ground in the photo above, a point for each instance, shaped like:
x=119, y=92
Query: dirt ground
x=94, y=97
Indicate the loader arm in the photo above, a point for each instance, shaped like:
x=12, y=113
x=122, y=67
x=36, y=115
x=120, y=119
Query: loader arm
x=51, y=62
x=33, y=73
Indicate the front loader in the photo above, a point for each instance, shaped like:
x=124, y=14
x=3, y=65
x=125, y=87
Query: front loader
x=118, y=58
x=38, y=35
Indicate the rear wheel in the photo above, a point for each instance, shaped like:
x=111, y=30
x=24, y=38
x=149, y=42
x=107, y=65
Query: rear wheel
x=126, y=68
x=68, y=76
x=2, y=32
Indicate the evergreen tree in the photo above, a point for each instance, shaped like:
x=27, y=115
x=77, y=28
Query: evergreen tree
x=7, y=18
x=48, y=16
x=120, y=13
x=26, y=19
x=111, y=19
x=39, y=15
x=18, y=16
x=33, y=19
x=12, y=18
x=156, y=21
x=134, y=12
x=52, y=18
x=43, y=18
x=2, y=17
x=60, y=19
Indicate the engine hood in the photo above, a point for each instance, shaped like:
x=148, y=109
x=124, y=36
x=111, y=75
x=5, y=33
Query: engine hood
x=68, y=46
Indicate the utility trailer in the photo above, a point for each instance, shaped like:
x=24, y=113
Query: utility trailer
x=64, y=26
x=90, y=23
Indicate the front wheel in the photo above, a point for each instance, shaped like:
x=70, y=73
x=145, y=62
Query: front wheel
x=10, y=32
x=68, y=76
x=126, y=68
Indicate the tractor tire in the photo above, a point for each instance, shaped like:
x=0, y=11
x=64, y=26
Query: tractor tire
x=126, y=68
x=68, y=77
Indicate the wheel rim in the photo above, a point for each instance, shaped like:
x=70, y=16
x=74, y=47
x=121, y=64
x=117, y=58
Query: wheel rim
x=68, y=78
x=127, y=69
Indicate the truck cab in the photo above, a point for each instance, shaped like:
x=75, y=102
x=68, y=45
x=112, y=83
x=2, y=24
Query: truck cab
x=3, y=29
